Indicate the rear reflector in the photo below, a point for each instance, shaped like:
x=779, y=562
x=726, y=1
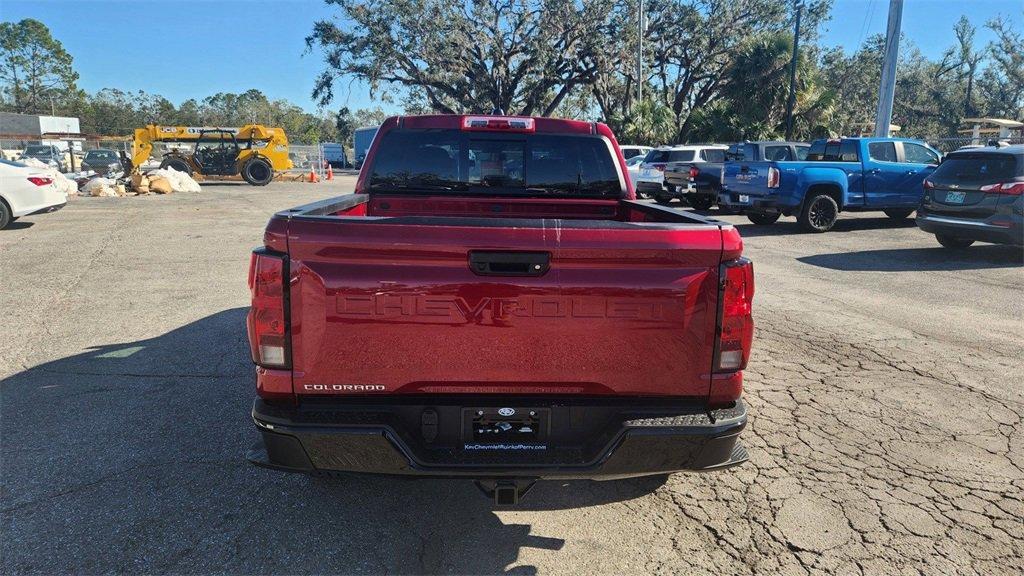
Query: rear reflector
x=40, y=180
x=267, y=322
x=498, y=123
x=1008, y=188
x=737, y=323
x=773, y=177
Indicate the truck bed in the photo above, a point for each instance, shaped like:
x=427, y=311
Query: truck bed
x=454, y=295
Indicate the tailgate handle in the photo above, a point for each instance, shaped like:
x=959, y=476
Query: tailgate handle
x=509, y=263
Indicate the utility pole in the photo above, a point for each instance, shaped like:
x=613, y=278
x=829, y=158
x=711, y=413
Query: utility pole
x=640, y=54
x=792, y=72
x=887, y=89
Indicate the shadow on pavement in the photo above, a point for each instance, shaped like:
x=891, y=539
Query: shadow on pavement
x=976, y=257
x=788, y=225
x=19, y=225
x=129, y=458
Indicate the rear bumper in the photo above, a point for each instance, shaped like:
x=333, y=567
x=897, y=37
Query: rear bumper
x=649, y=187
x=48, y=209
x=979, y=230
x=591, y=439
x=678, y=190
x=753, y=203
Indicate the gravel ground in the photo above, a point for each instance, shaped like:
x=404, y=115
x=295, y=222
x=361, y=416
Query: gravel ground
x=885, y=392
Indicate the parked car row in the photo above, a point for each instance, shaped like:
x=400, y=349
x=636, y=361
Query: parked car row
x=970, y=195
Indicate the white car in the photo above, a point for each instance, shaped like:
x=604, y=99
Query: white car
x=633, y=167
x=651, y=179
x=631, y=150
x=25, y=190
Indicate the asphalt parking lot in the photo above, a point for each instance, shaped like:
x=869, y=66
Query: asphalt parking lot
x=885, y=392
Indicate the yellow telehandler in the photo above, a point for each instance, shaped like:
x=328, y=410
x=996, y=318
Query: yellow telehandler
x=254, y=151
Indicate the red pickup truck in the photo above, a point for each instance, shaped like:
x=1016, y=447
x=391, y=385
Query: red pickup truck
x=493, y=303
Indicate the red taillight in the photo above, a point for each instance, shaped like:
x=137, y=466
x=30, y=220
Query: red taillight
x=267, y=322
x=40, y=180
x=1008, y=188
x=773, y=177
x=737, y=324
x=658, y=167
x=693, y=172
x=928, y=185
x=503, y=123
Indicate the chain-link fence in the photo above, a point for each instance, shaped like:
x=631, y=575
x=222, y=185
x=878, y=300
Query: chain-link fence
x=74, y=149
x=305, y=158
x=946, y=145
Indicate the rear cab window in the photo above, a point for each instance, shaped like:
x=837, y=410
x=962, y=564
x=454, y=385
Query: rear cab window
x=498, y=164
x=834, y=151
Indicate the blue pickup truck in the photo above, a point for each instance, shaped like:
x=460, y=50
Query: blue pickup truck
x=847, y=174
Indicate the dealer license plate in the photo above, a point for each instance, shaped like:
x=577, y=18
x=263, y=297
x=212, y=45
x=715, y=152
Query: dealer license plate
x=744, y=198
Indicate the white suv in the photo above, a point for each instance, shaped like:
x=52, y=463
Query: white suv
x=651, y=179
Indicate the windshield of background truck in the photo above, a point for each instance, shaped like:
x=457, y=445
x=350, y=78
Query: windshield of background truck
x=495, y=164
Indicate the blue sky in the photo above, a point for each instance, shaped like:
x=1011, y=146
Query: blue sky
x=193, y=48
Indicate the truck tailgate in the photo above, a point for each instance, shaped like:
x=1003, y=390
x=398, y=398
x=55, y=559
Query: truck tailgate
x=748, y=178
x=393, y=306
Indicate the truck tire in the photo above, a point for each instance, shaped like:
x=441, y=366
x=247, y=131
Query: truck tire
x=953, y=242
x=819, y=213
x=257, y=171
x=5, y=215
x=899, y=213
x=763, y=218
x=178, y=164
x=701, y=202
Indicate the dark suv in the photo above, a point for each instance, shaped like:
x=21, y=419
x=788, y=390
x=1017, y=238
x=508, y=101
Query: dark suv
x=976, y=195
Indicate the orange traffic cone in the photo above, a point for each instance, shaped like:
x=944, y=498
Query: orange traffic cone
x=312, y=175
x=330, y=172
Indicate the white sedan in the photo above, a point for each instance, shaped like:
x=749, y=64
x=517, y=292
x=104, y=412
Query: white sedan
x=25, y=190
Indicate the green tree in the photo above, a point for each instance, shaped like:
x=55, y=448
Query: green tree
x=964, y=59
x=370, y=117
x=520, y=56
x=35, y=70
x=1002, y=82
x=344, y=124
